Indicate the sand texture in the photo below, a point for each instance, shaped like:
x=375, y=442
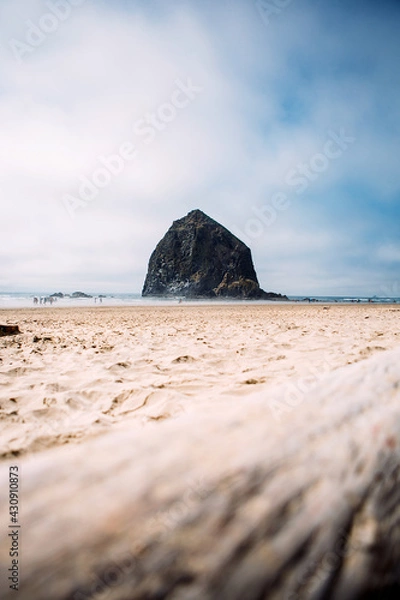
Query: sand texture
x=74, y=373
x=203, y=452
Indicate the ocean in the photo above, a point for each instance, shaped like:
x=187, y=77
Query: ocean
x=24, y=300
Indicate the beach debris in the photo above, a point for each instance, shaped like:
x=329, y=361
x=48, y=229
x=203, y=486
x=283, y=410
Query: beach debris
x=9, y=330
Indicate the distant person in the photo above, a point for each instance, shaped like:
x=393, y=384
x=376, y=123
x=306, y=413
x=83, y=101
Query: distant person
x=35, y=300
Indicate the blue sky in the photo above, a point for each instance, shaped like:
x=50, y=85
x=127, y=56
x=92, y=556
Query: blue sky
x=280, y=119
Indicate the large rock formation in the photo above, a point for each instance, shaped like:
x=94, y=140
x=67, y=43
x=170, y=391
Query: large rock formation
x=199, y=258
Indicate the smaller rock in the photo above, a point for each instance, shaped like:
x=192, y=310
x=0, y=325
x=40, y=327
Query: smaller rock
x=80, y=295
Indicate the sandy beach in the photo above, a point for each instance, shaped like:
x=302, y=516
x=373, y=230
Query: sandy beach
x=200, y=452
x=77, y=373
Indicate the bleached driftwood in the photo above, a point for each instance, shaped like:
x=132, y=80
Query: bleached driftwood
x=235, y=504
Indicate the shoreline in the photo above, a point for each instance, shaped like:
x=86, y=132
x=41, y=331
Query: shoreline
x=170, y=303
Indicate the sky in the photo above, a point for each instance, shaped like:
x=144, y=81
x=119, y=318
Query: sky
x=280, y=119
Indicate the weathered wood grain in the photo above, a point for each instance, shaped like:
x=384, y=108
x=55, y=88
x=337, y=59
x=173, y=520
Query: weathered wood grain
x=233, y=505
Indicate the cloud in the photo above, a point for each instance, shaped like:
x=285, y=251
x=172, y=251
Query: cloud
x=270, y=96
x=389, y=253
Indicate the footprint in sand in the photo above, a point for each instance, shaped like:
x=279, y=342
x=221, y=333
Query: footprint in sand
x=55, y=387
x=184, y=359
x=8, y=406
x=16, y=371
x=49, y=401
x=370, y=349
x=117, y=367
x=253, y=381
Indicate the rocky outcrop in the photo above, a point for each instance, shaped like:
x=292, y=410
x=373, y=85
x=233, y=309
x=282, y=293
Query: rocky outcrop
x=232, y=504
x=199, y=258
x=80, y=295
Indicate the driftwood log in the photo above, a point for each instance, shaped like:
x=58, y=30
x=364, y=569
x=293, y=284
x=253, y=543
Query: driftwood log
x=243, y=503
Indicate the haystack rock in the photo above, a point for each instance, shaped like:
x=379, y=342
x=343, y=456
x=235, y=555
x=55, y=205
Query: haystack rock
x=199, y=258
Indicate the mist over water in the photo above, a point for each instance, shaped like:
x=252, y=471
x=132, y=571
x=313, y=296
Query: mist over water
x=26, y=300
